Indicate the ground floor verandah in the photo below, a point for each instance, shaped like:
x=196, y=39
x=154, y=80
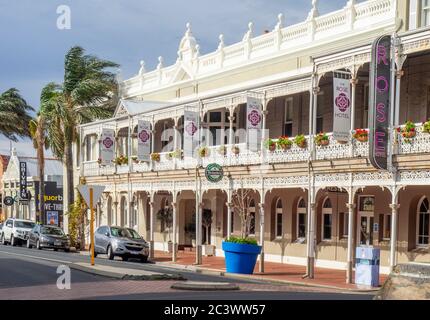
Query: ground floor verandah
x=273, y=271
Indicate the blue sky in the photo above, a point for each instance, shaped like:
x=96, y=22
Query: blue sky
x=126, y=31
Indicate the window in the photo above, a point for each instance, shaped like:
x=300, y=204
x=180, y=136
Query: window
x=425, y=13
x=91, y=147
x=252, y=218
x=215, y=116
x=288, y=121
x=301, y=219
x=423, y=223
x=367, y=204
x=365, y=107
x=386, y=226
x=327, y=219
x=279, y=227
x=345, y=224
x=320, y=116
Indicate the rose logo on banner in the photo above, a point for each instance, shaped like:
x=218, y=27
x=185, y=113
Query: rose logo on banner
x=107, y=142
x=144, y=136
x=342, y=102
x=254, y=118
x=191, y=129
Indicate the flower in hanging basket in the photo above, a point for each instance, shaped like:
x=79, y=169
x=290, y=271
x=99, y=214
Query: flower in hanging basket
x=301, y=141
x=222, y=150
x=235, y=150
x=426, y=127
x=155, y=157
x=134, y=158
x=270, y=145
x=408, y=131
x=322, y=139
x=204, y=152
x=99, y=160
x=361, y=135
x=121, y=160
x=284, y=143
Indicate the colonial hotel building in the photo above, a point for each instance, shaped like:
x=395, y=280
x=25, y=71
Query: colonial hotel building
x=329, y=194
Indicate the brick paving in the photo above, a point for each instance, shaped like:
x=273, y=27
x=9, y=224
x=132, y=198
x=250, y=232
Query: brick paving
x=273, y=271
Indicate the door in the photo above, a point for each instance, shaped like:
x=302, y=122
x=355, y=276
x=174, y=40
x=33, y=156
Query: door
x=365, y=235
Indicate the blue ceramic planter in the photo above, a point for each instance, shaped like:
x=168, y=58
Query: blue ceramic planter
x=240, y=258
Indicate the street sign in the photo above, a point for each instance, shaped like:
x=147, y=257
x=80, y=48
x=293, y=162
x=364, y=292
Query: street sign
x=214, y=173
x=8, y=201
x=84, y=190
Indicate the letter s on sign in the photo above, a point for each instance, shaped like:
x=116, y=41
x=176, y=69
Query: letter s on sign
x=380, y=110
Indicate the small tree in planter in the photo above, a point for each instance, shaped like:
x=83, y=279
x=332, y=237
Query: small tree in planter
x=241, y=252
x=165, y=216
x=208, y=249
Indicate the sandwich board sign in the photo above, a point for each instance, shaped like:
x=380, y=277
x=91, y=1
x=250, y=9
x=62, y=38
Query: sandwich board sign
x=84, y=190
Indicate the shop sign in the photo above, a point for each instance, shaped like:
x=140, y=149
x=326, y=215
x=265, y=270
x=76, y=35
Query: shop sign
x=23, y=194
x=214, y=173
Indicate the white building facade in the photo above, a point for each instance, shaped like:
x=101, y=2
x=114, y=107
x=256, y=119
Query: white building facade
x=312, y=205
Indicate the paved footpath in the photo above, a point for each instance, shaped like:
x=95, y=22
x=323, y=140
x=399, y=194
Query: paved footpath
x=31, y=274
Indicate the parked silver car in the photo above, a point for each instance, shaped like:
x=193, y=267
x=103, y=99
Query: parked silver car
x=122, y=242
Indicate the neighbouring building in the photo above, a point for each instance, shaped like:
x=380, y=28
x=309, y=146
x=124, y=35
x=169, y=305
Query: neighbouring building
x=4, y=160
x=330, y=194
x=53, y=189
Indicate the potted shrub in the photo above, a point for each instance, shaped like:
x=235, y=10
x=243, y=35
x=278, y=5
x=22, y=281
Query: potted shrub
x=301, y=141
x=222, y=150
x=235, y=150
x=270, y=145
x=322, y=139
x=408, y=131
x=426, y=127
x=241, y=252
x=284, y=143
x=361, y=135
x=203, y=152
x=207, y=249
x=155, y=157
x=165, y=216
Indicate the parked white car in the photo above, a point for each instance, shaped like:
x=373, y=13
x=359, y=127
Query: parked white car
x=16, y=231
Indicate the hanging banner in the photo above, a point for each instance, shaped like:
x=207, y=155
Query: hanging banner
x=191, y=137
x=379, y=102
x=23, y=194
x=107, y=146
x=144, y=140
x=342, y=108
x=254, y=117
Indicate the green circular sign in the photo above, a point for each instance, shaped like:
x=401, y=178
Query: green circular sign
x=214, y=173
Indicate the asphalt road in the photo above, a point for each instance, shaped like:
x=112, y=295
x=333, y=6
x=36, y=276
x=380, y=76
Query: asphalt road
x=32, y=274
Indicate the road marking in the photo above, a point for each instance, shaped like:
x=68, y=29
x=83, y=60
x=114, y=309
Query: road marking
x=35, y=257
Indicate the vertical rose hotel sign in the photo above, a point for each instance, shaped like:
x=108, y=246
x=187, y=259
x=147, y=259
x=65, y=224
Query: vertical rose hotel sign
x=379, y=102
x=107, y=146
x=143, y=140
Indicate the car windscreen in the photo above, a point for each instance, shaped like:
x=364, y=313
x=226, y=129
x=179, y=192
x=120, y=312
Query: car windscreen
x=134, y=234
x=52, y=231
x=120, y=232
x=24, y=224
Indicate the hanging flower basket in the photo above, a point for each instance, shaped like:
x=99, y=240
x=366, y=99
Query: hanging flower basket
x=408, y=132
x=284, y=143
x=155, y=157
x=204, y=152
x=222, y=150
x=235, y=150
x=270, y=145
x=301, y=141
x=322, y=139
x=361, y=135
x=426, y=127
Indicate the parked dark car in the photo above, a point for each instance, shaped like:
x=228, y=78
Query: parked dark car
x=47, y=236
x=122, y=242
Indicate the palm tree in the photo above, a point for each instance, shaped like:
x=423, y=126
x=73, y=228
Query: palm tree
x=40, y=142
x=89, y=92
x=14, y=115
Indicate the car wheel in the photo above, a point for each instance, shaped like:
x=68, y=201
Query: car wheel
x=66, y=250
x=110, y=253
x=3, y=240
x=38, y=245
x=144, y=259
x=55, y=249
x=29, y=246
x=124, y=258
x=12, y=240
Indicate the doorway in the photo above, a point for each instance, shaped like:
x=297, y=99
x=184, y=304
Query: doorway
x=366, y=218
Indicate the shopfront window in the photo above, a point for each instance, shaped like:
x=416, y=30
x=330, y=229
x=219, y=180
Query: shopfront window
x=425, y=13
x=423, y=223
x=301, y=219
x=327, y=220
x=279, y=226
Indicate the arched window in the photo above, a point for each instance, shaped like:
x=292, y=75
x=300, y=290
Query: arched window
x=301, y=219
x=279, y=220
x=327, y=220
x=252, y=218
x=109, y=211
x=423, y=223
x=124, y=212
x=91, y=147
